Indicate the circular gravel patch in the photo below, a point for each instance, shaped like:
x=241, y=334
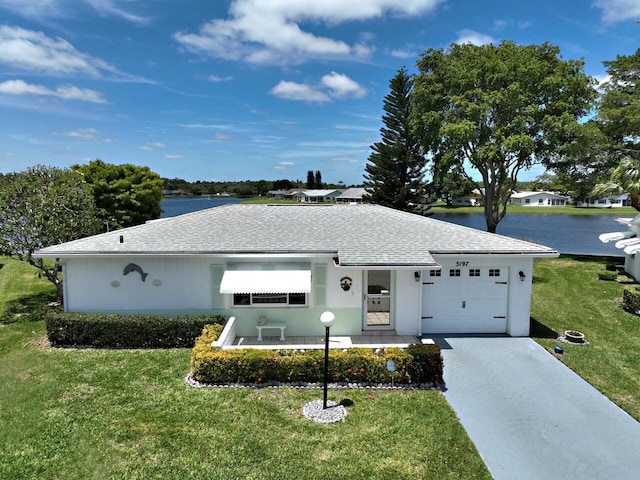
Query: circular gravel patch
x=333, y=413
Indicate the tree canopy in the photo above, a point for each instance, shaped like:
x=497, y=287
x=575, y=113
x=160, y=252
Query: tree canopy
x=496, y=110
x=125, y=195
x=619, y=108
x=394, y=174
x=44, y=206
x=619, y=121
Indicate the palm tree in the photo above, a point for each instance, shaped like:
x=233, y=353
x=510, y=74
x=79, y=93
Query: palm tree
x=625, y=178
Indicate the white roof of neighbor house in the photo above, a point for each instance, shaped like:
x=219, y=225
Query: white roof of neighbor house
x=357, y=235
x=319, y=193
x=354, y=192
x=532, y=194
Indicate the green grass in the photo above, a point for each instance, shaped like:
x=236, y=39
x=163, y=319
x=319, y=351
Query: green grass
x=92, y=413
x=567, y=295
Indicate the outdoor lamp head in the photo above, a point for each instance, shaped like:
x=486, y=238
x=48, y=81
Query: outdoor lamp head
x=327, y=319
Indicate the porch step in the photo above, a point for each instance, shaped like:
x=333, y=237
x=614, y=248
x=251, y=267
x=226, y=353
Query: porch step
x=379, y=333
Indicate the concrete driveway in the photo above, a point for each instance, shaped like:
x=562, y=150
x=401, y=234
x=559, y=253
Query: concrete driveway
x=531, y=417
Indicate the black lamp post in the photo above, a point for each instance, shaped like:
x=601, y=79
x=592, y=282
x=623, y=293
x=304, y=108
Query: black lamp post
x=327, y=319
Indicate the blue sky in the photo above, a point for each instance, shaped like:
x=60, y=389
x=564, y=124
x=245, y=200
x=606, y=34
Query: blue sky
x=247, y=89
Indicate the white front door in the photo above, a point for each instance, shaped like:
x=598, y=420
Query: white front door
x=465, y=300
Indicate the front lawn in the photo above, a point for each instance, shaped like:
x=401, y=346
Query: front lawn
x=567, y=295
x=94, y=413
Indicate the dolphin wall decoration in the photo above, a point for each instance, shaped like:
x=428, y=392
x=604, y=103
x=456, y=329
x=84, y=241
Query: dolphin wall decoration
x=132, y=267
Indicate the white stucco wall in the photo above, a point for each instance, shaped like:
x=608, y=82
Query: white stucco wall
x=407, y=302
x=184, y=283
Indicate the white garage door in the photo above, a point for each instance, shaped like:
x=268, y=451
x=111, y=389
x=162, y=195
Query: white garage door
x=465, y=300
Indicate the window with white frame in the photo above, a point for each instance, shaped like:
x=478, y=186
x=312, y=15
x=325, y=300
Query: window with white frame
x=269, y=299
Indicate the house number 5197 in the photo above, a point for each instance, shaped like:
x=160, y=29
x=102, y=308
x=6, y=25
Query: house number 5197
x=462, y=264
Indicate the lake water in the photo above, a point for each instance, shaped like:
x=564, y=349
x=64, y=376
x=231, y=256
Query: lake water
x=577, y=234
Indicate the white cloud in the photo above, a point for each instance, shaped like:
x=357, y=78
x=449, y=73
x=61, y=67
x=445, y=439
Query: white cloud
x=34, y=51
x=271, y=32
x=112, y=8
x=88, y=134
x=64, y=92
x=217, y=79
x=345, y=159
x=223, y=137
x=473, y=37
x=398, y=53
x=341, y=86
x=152, y=146
x=173, y=156
x=614, y=11
x=283, y=165
x=299, y=91
x=43, y=9
x=331, y=86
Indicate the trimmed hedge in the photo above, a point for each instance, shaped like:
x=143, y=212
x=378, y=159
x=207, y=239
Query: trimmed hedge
x=418, y=364
x=631, y=299
x=608, y=275
x=126, y=331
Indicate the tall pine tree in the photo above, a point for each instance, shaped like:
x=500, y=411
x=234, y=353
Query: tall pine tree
x=394, y=174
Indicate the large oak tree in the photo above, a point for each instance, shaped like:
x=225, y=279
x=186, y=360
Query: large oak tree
x=492, y=111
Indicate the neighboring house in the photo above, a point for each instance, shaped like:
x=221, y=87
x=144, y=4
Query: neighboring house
x=538, y=199
x=277, y=193
x=317, y=196
x=629, y=242
x=611, y=202
x=377, y=269
x=473, y=199
x=351, y=195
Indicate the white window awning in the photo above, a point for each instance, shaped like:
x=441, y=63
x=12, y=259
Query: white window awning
x=627, y=242
x=615, y=236
x=280, y=280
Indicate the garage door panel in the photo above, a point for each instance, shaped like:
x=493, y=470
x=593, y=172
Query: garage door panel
x=475, y=301
x=469, y=325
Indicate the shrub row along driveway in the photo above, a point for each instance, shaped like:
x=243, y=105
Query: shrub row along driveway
x=531, y=417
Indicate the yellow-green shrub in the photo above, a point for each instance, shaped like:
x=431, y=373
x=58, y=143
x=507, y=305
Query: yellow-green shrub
x=417, y=364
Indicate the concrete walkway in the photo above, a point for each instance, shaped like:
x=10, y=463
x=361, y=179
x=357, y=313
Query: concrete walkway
x=531, y=417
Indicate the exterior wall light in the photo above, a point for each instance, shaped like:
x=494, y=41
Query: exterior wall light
x=416, y=275
x=522, y=276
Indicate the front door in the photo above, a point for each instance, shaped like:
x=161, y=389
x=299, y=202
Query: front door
x=377, y=311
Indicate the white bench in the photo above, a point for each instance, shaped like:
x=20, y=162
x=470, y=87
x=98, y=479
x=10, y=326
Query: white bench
x=281, y=326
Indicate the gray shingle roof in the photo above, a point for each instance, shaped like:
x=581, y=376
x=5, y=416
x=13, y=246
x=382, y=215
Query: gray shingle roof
x=356, y=234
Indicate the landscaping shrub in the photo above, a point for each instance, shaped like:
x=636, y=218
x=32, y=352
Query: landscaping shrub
x=608, y=275
x=417, y=364
x=426, y=363
x=610, y=267
x=127, y=331
x=631, y=300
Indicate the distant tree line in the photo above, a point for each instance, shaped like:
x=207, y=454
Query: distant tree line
x=246, y=188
